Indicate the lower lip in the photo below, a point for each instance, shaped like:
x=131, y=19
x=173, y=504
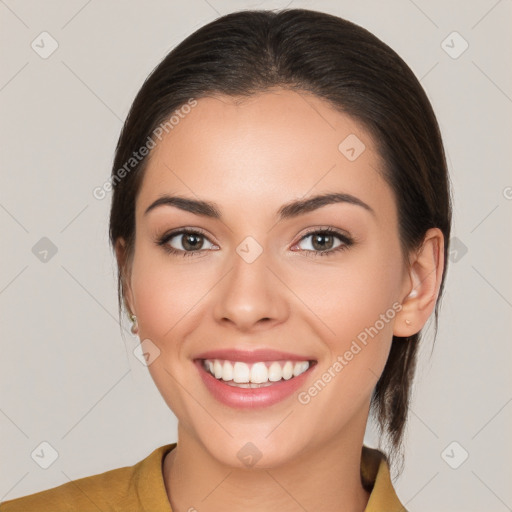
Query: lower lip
x=248, y=398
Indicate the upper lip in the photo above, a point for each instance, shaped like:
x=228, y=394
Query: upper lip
x=252, y=356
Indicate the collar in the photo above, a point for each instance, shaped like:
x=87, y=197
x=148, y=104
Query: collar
x=376, y=479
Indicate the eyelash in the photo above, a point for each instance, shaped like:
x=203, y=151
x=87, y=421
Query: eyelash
x=346, y=241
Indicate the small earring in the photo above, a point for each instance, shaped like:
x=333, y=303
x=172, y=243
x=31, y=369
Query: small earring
x=408, y=322
x=135, y=327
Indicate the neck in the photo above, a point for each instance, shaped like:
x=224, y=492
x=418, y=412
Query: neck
x=325, y=479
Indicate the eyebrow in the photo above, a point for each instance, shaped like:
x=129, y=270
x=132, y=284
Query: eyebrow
x=287, y=211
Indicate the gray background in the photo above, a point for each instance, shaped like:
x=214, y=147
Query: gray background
x=67, y=375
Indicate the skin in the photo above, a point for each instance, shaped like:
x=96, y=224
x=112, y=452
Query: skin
x=250, y=158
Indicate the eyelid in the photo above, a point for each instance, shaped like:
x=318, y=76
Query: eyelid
x=186, y=230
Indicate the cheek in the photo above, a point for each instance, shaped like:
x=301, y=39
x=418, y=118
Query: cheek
x=355, y=294
x=355, y=307
x=165, y=295
x=167, y=299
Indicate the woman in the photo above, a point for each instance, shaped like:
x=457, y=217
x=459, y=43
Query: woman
x=280, y=218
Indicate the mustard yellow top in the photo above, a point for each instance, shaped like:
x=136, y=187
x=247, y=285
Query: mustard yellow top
x=140, y=488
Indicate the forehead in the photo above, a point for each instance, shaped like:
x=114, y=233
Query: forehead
x=266, y=149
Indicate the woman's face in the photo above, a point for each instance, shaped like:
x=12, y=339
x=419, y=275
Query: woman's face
x=254, y=279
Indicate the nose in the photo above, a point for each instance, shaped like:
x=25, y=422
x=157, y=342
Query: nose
x=251, y=296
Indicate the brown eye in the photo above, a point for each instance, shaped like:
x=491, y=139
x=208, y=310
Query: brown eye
x=185, y=242
x=191, y=241
x=323, y=242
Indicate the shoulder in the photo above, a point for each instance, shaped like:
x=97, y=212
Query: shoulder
x=114, y=490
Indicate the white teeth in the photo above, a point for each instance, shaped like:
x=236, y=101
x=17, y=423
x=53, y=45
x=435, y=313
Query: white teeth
x=241, y=372
x=288, y=370
x=217, y=369
x=227, y=371
x=274, y=372
x=249, y=385
x=300, y=367
x=257, y=373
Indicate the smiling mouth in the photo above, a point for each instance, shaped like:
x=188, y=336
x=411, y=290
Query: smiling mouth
x=255, y=375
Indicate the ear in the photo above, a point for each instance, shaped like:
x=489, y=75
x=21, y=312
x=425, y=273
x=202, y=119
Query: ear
x=124, y=265
x=422, y=285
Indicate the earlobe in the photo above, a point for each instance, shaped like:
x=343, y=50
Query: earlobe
x=422, y=286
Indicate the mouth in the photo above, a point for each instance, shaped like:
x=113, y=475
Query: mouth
x=256, y=375
x=257, y=383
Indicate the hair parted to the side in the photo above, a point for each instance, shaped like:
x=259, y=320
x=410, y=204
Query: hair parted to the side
x=247, y=52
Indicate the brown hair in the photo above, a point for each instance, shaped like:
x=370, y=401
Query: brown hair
x=247, y=52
